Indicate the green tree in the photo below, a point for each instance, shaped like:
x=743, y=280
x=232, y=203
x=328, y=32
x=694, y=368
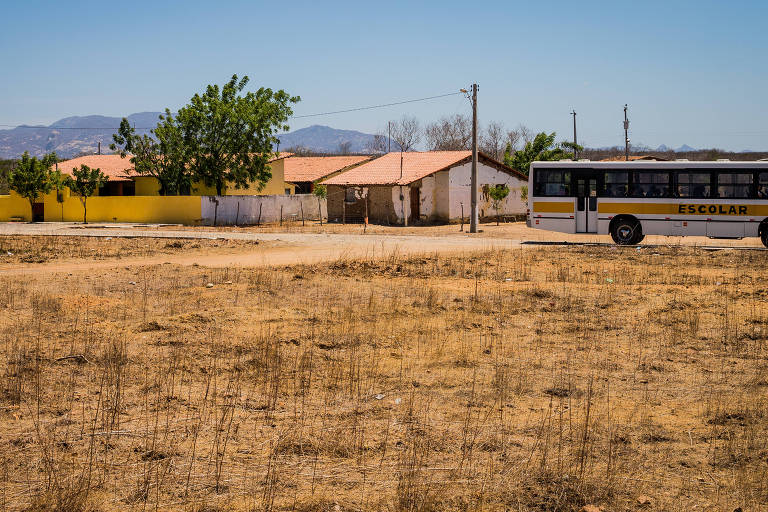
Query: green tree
x=59, y=182
x=497, y=195
x=541, y=148
x=31, y=178
x=84, y=182
x=230, y=137
x=162, y=157
x=321, y=192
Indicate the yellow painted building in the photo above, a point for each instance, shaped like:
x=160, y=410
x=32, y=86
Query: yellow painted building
x=127, y=198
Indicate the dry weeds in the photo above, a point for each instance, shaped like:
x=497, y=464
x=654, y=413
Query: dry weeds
x=531, y=379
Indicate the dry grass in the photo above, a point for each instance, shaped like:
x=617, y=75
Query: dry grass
x=541, y=379
x=43, y=249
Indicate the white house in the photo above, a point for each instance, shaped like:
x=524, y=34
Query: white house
x=432, y=186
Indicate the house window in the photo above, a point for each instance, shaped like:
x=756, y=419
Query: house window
x=351, y=195
x=287, y=191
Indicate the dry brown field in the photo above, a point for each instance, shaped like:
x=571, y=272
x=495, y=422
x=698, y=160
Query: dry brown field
x=546, y=379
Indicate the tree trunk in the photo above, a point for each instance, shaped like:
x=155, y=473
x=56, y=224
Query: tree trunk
x=32, y=210
x=320, y=210
x=85, y=211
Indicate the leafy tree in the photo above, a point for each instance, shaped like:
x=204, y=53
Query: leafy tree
x=541, y=148
x=162, y=157
x=85, y=182
x=31, y=178
x=498, y=194
x=321, y=192
x=5, y=170
x=229, y=137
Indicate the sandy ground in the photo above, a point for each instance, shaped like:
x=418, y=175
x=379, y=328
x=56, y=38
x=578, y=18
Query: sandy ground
x=288, y=245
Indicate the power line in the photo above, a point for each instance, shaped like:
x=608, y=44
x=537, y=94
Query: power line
x=356, y=109
x=376, y=106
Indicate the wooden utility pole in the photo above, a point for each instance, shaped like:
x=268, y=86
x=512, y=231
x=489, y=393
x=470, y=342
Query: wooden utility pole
x=473, y=181
x=626, y=134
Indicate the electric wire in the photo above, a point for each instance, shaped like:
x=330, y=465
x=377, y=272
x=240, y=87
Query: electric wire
x=304, y=116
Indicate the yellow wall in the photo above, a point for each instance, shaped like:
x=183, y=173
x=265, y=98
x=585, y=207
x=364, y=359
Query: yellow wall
x=152, y=209
x=13, y=205
x=146, y=186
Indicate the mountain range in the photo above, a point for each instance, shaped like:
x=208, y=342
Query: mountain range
x=82, y=134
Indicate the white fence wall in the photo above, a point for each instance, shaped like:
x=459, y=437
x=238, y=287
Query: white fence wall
x=245, y=210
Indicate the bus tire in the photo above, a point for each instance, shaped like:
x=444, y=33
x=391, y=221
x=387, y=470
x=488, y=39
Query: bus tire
x=763, y=231
x=626, y=231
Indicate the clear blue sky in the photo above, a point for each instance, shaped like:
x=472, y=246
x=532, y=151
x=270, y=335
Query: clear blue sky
x=693, y=72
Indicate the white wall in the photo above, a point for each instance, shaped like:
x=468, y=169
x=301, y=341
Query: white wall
x=402, y=208
x=459, y=190
x=442, y=197
x=427, y=197
x=245, y=209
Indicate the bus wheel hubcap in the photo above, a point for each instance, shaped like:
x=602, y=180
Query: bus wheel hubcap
x=625, y=232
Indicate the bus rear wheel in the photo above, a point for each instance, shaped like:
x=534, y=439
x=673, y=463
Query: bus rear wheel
x=764, y=235
x=626, y=231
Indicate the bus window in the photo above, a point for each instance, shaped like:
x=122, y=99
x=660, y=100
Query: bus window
x=762, y=185
x=694, y=185
x=552, y=183
x=616, y=184
x=650, y=184
x=734, y=185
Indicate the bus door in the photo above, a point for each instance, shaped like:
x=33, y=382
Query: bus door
x=586, y=203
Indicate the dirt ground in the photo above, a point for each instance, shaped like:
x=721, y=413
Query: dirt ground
x=136, y=376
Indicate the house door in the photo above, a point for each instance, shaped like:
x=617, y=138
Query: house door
x=586, y=203
x=38, y=212
x=415, y=202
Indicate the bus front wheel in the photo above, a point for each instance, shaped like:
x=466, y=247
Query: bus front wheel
x=626, y=231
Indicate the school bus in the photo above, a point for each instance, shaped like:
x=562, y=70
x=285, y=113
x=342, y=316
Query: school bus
x=629, y=200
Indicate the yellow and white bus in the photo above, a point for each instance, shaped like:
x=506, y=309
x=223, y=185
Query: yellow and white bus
x=629, y=200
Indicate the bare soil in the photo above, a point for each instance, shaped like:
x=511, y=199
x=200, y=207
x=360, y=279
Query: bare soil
x=550, y=378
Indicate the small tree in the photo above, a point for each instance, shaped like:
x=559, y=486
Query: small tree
x=541, y=148
x=58, y=182
x=498, y=194
x=162, y=157
x=85, y=182
x=31, y=178
x=320, y=192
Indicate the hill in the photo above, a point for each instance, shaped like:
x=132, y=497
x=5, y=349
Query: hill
x=69, y=136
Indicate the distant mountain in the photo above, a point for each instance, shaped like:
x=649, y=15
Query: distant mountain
x=70, y=136
x=642, y=147
x=81, y=134
x=324, y=139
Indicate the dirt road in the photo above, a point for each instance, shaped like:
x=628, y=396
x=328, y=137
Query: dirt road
x=312, y=245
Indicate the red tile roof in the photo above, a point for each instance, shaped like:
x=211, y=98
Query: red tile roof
x=116, y=168
x=312, y=168
x=385, y=170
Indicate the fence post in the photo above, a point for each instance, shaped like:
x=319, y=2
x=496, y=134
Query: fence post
x=258, y=221
x=301, y=203
x=281, y=215
x=462, y=217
